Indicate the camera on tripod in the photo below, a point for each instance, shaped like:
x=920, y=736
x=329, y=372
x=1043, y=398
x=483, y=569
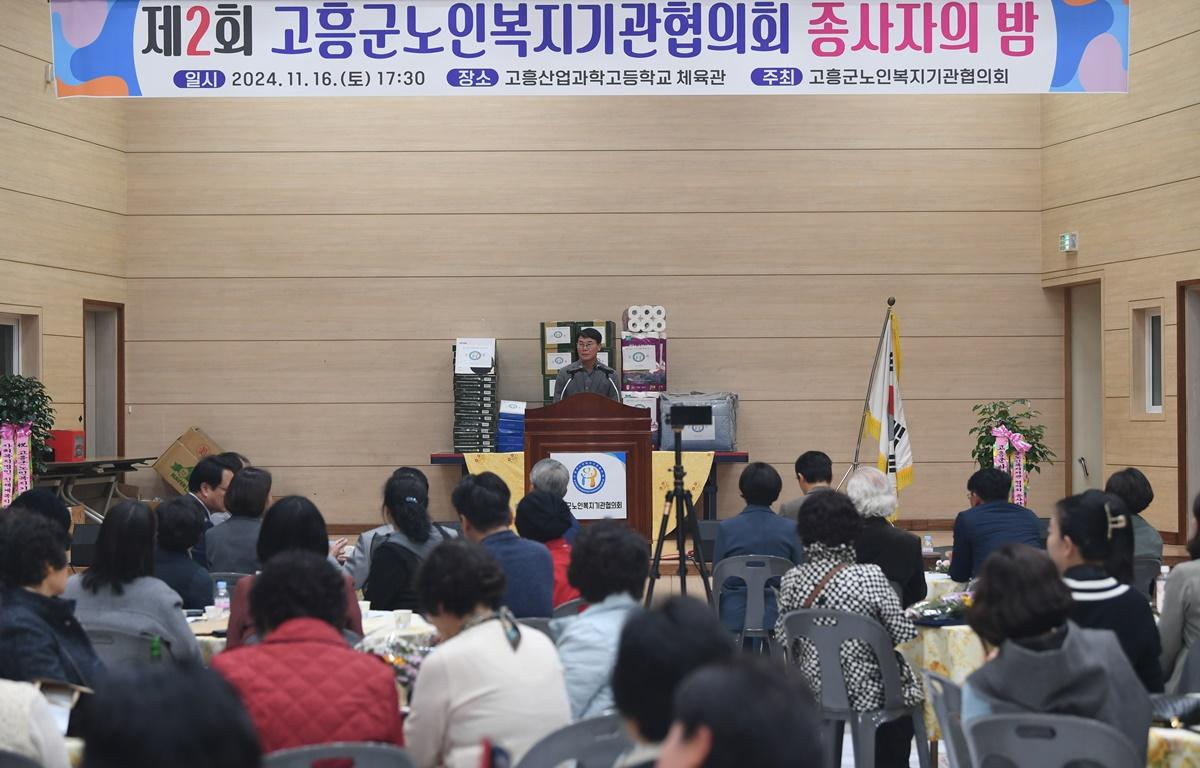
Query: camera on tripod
x=681, y=416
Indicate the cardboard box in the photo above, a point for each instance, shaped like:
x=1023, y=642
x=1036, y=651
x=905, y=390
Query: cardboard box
x=175, y=465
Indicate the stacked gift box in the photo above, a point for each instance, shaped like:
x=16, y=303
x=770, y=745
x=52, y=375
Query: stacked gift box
x=558, y=348
x=510, y=432
x=644, y=360
x=476, y=396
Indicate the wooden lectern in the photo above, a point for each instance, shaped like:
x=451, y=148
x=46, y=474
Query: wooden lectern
x=587, y=422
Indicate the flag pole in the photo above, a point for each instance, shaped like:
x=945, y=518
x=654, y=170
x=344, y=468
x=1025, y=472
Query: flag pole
x=862, y=422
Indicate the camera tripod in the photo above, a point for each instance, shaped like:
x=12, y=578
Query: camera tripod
x=685, y=525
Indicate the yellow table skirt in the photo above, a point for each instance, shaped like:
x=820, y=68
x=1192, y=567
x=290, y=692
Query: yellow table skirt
x=511, y=469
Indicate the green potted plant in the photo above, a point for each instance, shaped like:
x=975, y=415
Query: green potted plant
x=1018, y=416
x=23, y=400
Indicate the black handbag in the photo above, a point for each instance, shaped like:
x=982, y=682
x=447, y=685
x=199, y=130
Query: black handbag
x=1175, y=710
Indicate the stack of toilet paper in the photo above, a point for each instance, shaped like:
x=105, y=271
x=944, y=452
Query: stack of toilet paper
x=646, y=318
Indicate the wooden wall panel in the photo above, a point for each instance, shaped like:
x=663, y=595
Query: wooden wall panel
x=426, y=308
x=59, y=292
x=26, y=28
x=1129, y=227
x=1156, y=22
x=1117, y=362
x=1163, y=511
x=1157, y=85
x=1144, y=280
x=468, y=245
x=507, y=182
x=556, y=123
x=1150, y=441
x=26, y=97
x=1123, y=159
x=62, y=367
x=38, y=162
x=56, y=234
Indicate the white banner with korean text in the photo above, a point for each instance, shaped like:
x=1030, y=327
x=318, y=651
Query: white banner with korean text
x=124, y=48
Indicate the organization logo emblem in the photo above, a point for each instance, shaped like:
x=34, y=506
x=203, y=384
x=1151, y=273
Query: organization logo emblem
x=588, y=477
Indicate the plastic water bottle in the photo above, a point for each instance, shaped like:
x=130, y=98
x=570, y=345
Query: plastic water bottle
x=1160, y=589
x=927, y=544
x=222, y=600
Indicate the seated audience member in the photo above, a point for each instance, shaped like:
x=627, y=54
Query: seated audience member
x=293, y=522
x=814, y=473
x=832, y=579
x=490, y=678
x=120, y=592
x=1131, y=487
x=207, y=485
x=1038, y=660
x=27, y=726
x=990, y=523
x=1179, y=625
x=482, y=504
x=896, y=552
x=396, y=555
x=232, y=547
x=179, y=528
x=358, y=562
x=657, y=650
x=755, y=531
x=539, y=518
x=44, y=502
x=1091, y=542
x=39, y=635
x=738, y=714
x=551, y=476
x=298, y=603
x=608, y=566
x=182, y=716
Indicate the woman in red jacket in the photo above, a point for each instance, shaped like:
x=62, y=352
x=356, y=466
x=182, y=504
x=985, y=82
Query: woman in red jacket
x=302, y=684
x=542, y=516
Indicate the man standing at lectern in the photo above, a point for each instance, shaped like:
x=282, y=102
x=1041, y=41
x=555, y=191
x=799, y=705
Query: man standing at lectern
x=587, y=374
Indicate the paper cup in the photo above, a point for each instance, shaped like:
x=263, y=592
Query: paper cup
x=364, y=607
x=403, y=618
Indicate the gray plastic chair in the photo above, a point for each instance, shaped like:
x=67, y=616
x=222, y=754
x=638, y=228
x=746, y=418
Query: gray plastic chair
x=947, y=705
x=231, y=579
x=898, y=588
x=1189, y=679
x=120, y=648
x=596, y=742
x=570, y=608
x=827, y=631
x=755, y=571
x=1145, y=571
x=13, y=760
x=1048, y=741
x=539, y=623
x=361, y=755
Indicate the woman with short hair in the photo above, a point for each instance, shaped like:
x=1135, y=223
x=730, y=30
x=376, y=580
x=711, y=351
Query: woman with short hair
x=896, y=552
x=40, y=638
x=119, y=591
x=231, y=547
x=831, y=579
x=1038, y=660
x=292, y=522
x=180, y=529
x=490, y=678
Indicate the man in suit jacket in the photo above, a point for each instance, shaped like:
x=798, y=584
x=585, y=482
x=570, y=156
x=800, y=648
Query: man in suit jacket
x=814, y=472
x=991, y=522
x=896, y=552
x=207, y=484
x=756, y=531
